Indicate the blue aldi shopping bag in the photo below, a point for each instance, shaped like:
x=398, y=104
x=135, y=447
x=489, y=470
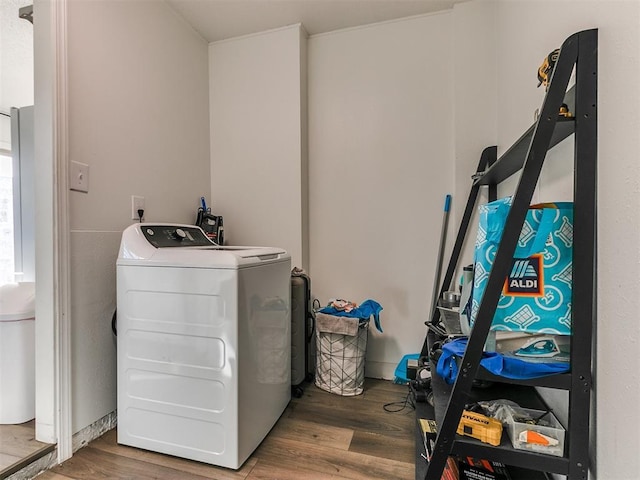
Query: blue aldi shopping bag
x=536, y=296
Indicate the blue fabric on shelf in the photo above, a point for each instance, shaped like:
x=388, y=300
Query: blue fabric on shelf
x=365, y=310
x=494, y=362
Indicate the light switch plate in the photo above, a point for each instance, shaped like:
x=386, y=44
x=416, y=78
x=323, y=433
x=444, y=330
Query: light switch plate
x=79, y=177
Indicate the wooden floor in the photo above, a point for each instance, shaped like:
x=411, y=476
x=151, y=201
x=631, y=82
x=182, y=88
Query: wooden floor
x=320, y=436
x=18, y=446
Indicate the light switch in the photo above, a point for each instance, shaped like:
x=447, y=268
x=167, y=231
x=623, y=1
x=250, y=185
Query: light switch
x=79, y=177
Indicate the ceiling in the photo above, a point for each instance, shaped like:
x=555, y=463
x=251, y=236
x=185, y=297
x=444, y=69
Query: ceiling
x=220, y=19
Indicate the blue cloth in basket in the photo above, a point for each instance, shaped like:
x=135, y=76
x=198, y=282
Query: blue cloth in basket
x=368, y=308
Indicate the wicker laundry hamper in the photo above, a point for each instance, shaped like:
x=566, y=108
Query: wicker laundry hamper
x=341, y=347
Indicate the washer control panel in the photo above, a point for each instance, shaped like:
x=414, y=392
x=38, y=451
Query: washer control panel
x=162, y=236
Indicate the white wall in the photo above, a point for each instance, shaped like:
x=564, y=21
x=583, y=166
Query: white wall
x=258, y=153
x=380, y=163
x=138, y=116
x=474, y=105
x=526, y=31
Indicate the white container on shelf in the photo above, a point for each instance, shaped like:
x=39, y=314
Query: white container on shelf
x=523, y=421
x=17, y=352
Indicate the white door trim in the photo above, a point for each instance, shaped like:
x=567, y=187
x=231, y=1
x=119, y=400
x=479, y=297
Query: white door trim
x=53, y=336
x=61, y=231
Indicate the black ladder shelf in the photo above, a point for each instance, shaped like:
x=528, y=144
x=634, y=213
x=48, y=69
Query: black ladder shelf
x=527, y=155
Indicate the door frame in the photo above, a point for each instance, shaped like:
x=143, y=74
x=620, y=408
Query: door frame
x=53, y=336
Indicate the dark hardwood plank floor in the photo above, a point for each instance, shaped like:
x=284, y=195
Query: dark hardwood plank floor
x=320, y=436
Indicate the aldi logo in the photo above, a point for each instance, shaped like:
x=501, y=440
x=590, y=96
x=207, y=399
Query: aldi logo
x=525, y=278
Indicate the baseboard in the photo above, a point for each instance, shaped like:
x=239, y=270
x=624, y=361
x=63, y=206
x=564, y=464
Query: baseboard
x=95, y=430
x=35, y=468
x=382, y=370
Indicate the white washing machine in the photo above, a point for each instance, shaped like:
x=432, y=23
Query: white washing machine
x=204, y=343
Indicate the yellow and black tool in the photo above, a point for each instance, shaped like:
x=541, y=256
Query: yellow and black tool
x=476, y=425
x=546, y=69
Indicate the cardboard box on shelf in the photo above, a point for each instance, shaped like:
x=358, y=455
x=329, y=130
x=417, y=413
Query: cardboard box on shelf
x=478, y=469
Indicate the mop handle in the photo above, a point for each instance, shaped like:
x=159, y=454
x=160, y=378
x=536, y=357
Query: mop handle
x=443, y=236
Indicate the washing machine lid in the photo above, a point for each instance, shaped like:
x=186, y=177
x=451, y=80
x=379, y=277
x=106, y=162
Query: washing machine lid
x=17, y=301
x=176, y=245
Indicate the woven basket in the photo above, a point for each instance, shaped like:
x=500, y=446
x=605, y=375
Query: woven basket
x=340, y=361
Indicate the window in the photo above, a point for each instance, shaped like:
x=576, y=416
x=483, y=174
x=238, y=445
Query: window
x=17, y=200
x=7, y=267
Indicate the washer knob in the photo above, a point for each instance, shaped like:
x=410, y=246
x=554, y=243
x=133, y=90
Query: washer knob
x=179, y=234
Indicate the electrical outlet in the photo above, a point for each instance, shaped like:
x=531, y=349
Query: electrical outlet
x=137, y=203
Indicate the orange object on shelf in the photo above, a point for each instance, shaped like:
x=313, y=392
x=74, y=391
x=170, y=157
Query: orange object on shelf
x=531, y=436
